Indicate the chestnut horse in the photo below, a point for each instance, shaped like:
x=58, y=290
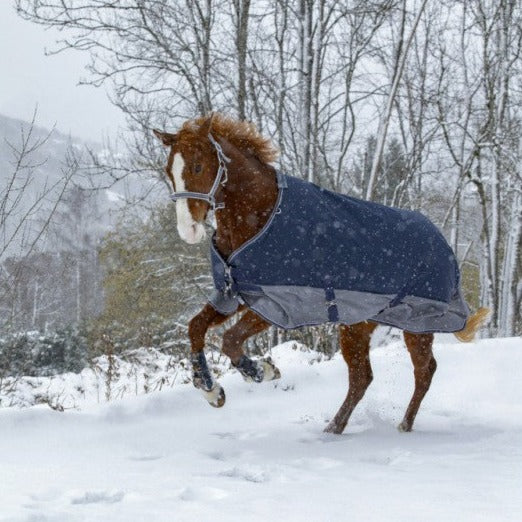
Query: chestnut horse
x=217, y=163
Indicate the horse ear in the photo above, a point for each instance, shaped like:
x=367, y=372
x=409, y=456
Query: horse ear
x=167, y=139
x=206, y=126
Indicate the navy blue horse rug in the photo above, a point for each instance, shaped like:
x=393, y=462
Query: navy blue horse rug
x=326, y=257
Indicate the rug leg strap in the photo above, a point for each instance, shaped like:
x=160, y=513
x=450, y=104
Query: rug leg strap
x=203, y=380
x=251, y=370
x=201, y=377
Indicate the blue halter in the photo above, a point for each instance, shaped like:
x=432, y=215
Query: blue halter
x=221, y=179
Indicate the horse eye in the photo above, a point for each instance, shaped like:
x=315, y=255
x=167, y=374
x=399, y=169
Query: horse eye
x=197, y=169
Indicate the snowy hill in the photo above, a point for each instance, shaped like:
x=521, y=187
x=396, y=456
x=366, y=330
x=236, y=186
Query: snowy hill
x=48, y=157
x=168, y=456
x=46, y=173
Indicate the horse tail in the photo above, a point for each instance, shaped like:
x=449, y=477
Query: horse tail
x=474, y=322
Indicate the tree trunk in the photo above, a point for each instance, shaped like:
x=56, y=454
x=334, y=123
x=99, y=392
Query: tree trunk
x=242, y=8
x=398, y=68
x=508, y=280
x=305, y=86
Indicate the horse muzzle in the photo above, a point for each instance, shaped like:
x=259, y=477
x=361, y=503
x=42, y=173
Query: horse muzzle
x=192, y=233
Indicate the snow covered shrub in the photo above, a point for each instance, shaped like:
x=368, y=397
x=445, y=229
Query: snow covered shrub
x=153, y=284
x=35, y=354
x=15, y=354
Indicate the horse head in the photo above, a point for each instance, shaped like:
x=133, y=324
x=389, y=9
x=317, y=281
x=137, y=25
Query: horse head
x=192, y=167
x=219, y=163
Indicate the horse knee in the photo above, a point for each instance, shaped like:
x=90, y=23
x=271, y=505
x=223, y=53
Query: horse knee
x=364, y=381
x=196, y=334
x=427, y=371
x=228, y=340
x=200, y=323
x=360, y=377
x=232, y=345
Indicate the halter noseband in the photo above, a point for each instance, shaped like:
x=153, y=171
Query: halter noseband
x=221, y=179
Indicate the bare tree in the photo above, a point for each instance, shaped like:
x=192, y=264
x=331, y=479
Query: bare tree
x=480, y=124
x=437, y=82
x=21, y=202
x=25, y=210
x=401, y=55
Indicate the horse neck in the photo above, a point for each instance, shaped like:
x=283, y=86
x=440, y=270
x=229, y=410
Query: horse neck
x=249, y=195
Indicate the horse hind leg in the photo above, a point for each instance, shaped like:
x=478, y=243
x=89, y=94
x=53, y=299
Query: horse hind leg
x=355, y=347
x=424, y=366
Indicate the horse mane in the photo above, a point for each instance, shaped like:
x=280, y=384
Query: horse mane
x=242, y=134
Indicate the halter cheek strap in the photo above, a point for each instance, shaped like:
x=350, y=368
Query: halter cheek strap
x=221, y=179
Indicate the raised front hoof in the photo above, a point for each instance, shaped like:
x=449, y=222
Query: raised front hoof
x=405, y=427
x=215, y=397
x=270, y=370
x=334, y=428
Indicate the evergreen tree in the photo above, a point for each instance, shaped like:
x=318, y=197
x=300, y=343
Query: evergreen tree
x=392, y=172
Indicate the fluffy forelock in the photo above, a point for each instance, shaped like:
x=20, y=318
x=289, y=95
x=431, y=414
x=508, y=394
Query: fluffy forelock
x=242, y=134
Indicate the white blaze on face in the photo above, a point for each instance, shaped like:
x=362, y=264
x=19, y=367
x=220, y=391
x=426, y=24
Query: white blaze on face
x=188, y=229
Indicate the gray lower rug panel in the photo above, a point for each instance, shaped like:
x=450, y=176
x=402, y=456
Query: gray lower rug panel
x=291, y=307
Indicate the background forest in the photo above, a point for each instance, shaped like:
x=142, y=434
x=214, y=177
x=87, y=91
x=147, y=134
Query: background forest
x=416, y=104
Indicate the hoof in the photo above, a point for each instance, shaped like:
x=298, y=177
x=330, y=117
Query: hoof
x=270, y=370
x=404, y=427
x=333, y=428
x=216, y=396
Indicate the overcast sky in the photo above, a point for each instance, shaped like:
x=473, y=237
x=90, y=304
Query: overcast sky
x=28, y=78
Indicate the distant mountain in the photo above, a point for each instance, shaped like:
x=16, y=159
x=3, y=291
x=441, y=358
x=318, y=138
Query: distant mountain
x=50, y=155
x=45, y=172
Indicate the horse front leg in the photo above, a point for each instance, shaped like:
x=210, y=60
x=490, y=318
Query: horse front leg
x=201, y=376
x=233, y=339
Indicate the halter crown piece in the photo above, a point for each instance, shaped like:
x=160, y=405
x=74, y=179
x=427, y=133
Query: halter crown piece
x=221, y=179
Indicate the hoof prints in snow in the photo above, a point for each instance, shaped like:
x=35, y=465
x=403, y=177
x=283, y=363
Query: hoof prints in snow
x=98, y=497
x=145, y=458
x=240, y=435
x=221, y=455
x=191, y=494
x=251, y=474
x=252, y=461
x=317, y=464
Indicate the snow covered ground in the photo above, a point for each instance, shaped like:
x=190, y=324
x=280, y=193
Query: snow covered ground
x=168, y=456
